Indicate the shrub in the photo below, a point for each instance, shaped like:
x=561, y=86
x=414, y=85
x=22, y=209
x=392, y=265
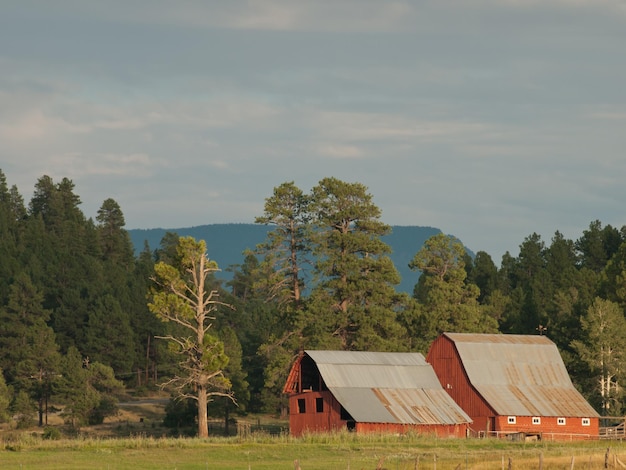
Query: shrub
x=52, y=433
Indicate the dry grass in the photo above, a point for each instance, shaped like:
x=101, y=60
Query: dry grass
x=260, y=451
x=136, y=439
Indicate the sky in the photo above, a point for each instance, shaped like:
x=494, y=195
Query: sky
x=488, y=119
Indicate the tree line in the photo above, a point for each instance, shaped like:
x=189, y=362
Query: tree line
x=82, y=318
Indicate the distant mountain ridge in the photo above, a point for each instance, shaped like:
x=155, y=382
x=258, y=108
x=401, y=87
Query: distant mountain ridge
x=226, y=243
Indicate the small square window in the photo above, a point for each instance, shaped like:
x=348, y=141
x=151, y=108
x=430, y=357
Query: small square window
x=319, y=405
x=511, y=420
x=586, y=422
x=301, y=405
x=536, y=420
x=560, y=421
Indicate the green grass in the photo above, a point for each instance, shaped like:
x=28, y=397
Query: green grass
x=327, y=451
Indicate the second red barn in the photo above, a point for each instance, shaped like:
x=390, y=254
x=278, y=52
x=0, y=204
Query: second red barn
x=512, y=385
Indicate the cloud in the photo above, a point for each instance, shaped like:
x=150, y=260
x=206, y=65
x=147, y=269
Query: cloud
x=490, y=119
x=104, y=165
x=340, y=151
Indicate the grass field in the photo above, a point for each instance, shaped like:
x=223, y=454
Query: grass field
x=335, y=451
x=135, y=439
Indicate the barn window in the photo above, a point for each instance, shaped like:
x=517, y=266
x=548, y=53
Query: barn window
x=511, y=420
x=560, y=421
x=536, y=420
x=301, y=405
x=319, y=405
x=586, y=422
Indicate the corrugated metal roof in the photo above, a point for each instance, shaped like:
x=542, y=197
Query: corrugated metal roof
x=387, y=387
x=520, y=375
x=366, y=357
x=378, y=376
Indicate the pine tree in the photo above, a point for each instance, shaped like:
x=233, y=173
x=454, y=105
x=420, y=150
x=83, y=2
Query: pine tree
x=10, y=230
x=88, y=389
x=448, y=302
x=30, y=356
x=5, y=400
x=354, y=304
x=287, y=245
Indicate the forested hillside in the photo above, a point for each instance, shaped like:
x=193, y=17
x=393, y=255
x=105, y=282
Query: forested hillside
x=226, y=244
x=76, y=328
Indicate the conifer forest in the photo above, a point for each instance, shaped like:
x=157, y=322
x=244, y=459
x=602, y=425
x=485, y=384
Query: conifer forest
x=83, y=317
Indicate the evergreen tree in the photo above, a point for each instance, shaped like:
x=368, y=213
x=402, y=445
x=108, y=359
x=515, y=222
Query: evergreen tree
x=109, y=338
x=115, y=244
x=597, y=245
x=287, y=245
x=613, y=278
x=88, y=390
x=10, y=228
x=23, y=409
x=529, y=284
x=144, y=324
x=245, y=278
x=566, y=295
x=259, y=325
x=30, y=354
x=448, y=302
x=5, y=400
x=354, y=304
x=235, y=372
x=70, y=275
x=483, y=273
x=279, y=280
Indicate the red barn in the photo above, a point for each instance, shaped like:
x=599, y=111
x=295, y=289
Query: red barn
x=369, y=392
x=512, y=385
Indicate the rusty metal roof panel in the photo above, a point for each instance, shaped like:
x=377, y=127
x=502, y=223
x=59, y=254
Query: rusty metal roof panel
x=536, y=401
x=378, y=376
x=520, y=375
x=387, y=387
x=421, y=406
x=497, y=338
x=402, y=406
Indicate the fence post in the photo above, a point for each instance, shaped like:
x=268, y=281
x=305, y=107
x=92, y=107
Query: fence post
x=540, y=460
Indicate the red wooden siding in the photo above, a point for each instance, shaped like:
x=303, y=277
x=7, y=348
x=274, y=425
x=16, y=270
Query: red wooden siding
x=447, y=365
x=330, y=419
x=312, y=420
x=549, y=428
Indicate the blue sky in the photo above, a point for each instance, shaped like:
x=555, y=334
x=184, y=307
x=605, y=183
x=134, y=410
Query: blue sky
x=489, y=119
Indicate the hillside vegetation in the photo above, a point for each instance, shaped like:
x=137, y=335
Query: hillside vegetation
x=322, y=271
x=226, y=243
